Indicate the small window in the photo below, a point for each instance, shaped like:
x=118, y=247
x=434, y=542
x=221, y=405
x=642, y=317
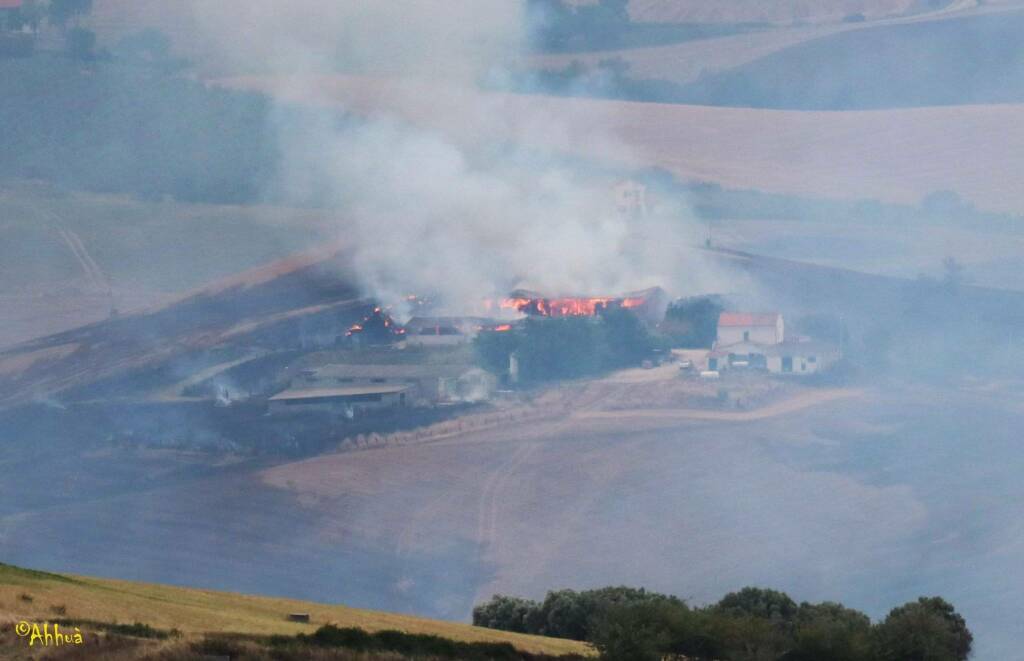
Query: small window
x=746, y=336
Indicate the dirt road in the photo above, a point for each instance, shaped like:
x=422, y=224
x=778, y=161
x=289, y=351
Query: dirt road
x=796, y=403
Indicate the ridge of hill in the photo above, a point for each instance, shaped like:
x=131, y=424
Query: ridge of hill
x=29, y=595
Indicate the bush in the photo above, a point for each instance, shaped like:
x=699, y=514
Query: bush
x=407, y=644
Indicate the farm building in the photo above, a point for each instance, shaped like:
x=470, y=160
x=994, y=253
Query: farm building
x=757, y=341
x=783, y=358
x=800, y=357
x=443, y=331
x=421, y=384
x=736, y=327
x=350, y=401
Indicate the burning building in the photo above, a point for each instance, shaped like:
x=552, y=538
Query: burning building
x=648, y=304
x=376, y=328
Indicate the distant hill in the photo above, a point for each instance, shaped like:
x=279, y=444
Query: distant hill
x=969, y=60
x=841, y=155
x=767, y=11
x=41, y=596
x=284, y=304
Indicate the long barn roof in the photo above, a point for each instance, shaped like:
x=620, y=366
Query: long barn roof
x=320, y=393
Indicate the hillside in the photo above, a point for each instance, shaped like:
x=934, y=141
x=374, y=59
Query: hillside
x=969, y=60
x=748, y=11
x=194, y=611
x=578, y=492
x=760, y=11
x=685, y=62
x=847, y=155
x=67, y=257
x=285, y=303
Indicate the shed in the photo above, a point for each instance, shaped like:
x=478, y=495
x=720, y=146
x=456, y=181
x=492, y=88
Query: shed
x=348, y=400
x=427, y=383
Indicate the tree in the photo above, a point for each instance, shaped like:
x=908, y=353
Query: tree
x=830, y=631
x=759, y=602
x=692, y=322
x=507, y=613
x=493, y=349
x=632, y=632
x=928, y=629
x=565, y=348
x=748, y=638
x=626, y=339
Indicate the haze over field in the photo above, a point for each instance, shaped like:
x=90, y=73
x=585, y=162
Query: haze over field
x=181, y=243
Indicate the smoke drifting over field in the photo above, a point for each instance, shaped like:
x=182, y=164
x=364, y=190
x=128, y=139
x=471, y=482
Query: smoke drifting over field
x=425, y=214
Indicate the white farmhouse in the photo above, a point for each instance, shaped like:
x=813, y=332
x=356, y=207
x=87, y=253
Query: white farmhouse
x=757, y=341
x=737, y=327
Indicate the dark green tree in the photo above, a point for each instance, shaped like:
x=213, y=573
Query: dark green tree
x=632, y=632
x=830, y=631
x=565, y=348
x=493, y=349
x=692, y=322
x=507, y=613
x=626, y=340
x=759, y=602
x=928, y=629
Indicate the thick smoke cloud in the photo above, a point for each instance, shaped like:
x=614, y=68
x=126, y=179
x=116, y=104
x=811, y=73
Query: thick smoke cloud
x=427, y=215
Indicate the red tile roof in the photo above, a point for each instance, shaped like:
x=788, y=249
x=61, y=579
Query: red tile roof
x=748, y=319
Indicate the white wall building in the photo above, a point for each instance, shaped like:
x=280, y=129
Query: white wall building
x=785, y=358
x=737, y=327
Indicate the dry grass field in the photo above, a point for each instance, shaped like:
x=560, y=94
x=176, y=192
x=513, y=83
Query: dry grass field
x=686, y=61
x=758, y=11
x=827, y=497
x=195, y=612
x=898, y=155
x=67, y=257
x=795, y=23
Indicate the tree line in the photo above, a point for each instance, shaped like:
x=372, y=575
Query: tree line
x=549, y=349
x=753, y=624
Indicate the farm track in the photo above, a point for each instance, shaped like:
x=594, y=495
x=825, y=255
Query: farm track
x=792, y=404
x=491, y=495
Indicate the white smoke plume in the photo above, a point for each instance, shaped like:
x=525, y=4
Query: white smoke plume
x=427, y=213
